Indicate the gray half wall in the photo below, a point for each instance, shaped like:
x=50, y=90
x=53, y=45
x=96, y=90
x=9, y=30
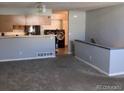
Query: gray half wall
x=26, y=47
x=99, y=57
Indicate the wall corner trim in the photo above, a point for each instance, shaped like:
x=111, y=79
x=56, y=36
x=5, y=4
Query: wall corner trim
x=116, y=74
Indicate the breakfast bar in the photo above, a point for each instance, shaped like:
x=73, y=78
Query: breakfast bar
x=26, y=47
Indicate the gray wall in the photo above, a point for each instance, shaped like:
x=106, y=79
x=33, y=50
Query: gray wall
x=25, y=47
x=106, y=26
x=76, y=27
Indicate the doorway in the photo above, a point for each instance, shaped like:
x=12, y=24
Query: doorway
x=59, y=24
x=62, y=16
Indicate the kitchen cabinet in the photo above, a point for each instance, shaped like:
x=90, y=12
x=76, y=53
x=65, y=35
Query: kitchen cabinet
x=7, y=22
x=32, y=20
x=38, y=20
x=18, y=20
x=45, y=20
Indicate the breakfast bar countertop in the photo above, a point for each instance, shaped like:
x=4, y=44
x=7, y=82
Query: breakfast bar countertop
x=28, y=36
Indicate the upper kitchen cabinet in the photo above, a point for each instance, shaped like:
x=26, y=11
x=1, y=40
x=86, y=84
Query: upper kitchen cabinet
x=32, y=20
x=5, y=23
x=18, y=19
x=45, y=20
x=8, y=21
x=37, y=20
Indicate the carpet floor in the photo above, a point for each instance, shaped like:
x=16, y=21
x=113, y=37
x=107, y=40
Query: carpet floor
x=63, y=73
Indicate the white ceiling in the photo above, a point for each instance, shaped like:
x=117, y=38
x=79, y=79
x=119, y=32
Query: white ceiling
x=79, y=5
x=60, y=5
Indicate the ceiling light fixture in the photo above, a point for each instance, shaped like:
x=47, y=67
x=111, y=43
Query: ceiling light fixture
x=75, y=16
x=41, y=8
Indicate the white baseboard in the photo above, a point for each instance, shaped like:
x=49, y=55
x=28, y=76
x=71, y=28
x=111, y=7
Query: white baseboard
x=29, y=58
x=95, y=67
x=116, y=74
x=100, y=70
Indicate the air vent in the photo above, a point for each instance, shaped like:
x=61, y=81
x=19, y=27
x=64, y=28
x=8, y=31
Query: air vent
x=44, y=54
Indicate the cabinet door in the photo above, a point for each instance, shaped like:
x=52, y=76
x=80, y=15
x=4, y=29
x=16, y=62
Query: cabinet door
x=18, y=20
x=5, y=23
x=32, y=20
x=45, y=20
x=38, y=20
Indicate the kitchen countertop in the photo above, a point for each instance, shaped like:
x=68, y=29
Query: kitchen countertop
x=30, y=36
